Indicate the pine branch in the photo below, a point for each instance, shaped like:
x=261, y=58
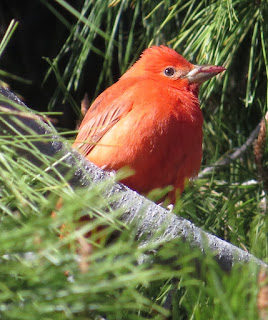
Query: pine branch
x=145, y=216
x=234, y=155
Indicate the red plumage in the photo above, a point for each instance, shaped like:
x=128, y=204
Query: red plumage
x=149, y=120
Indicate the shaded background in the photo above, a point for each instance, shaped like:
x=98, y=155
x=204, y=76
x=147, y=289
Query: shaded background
x=40, y=34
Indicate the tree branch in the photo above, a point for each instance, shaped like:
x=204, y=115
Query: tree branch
x=234, y=155
x=148, y=218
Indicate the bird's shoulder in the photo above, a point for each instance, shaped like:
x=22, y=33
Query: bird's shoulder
x=108, y=108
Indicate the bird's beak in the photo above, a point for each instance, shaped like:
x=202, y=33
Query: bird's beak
x=200, y=74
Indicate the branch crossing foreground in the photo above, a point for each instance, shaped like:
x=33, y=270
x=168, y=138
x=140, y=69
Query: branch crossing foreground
x=149, y=220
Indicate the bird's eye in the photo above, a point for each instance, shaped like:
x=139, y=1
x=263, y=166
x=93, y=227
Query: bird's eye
x=169, y=71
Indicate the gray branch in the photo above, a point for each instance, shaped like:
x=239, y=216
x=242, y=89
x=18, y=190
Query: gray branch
x=234, y=155
x=149, y=220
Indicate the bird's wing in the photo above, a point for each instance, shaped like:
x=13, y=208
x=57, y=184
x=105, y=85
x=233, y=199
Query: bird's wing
x=103, y=114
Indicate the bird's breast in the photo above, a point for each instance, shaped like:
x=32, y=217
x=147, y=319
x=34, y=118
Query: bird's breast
x=162, y=144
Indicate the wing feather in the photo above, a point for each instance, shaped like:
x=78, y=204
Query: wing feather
x=103, y=114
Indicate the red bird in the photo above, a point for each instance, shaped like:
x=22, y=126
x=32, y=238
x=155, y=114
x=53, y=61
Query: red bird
x=149, y=120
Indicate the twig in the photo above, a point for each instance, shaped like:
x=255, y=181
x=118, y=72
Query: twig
x=233, y=156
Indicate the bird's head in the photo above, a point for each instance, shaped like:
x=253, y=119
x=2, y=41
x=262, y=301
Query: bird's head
x=163, y=63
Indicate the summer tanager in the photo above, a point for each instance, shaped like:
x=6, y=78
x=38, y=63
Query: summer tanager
x=149, y=120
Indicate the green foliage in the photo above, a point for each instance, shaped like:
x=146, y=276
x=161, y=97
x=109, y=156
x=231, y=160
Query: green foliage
x=8, y=34
x=34, y=259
